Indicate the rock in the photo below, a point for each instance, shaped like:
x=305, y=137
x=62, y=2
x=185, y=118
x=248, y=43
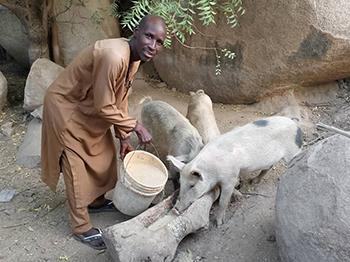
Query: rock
x=87, y=23
x=3, y=90
x=14, y=38
x=279, y=45
x=42, y=73
x=184, y=256
x=29, y=153
x=313, y=204
x=6, y=129
x=6, y=195
x=162, y=85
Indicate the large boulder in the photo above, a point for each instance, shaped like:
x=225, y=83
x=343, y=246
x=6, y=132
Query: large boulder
x=42, y=73
x=3, y=90
x=313, y=204
x=14, y=38
x=279, y=45
x=78, y=25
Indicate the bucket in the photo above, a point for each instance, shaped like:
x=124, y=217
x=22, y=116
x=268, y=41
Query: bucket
x=142, y=177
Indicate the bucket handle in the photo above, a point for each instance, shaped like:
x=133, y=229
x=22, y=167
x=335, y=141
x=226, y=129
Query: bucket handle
x=144, y=148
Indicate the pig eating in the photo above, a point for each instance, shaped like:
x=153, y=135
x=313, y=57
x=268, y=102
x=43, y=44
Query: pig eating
x=172, y=133
x=255, y=146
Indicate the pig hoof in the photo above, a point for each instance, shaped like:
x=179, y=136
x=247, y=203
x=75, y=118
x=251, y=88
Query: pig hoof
x=176, y=211
x=254, y=181
x=237, y=195
x=219, y=222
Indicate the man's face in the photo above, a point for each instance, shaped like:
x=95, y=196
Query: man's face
x=149, y=40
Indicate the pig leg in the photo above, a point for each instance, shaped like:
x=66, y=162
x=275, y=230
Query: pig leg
x=257, y=179
x=225, y=196
x=227, y=189
x=237, y=195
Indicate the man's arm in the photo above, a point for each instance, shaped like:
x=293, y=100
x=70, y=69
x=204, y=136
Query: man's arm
x=109, y=71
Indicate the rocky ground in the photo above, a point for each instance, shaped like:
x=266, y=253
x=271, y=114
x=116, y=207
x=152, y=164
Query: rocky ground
x=34, y=224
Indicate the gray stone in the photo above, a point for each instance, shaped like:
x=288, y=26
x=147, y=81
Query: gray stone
x=6, y=195
x=29, y=153
x=14, y=38
x=313, y=204
x=6, y=129
x=42, y=73
x=184, y=256
x=162, y=85
x=3, y=90
x=279, y=45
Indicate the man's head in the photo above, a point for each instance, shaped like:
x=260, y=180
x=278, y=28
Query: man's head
x=148, y=38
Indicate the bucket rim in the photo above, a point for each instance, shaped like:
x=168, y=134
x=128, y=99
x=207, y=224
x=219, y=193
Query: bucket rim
x=164, y=171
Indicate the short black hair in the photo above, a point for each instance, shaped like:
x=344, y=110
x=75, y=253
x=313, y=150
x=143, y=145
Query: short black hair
x=145, y=20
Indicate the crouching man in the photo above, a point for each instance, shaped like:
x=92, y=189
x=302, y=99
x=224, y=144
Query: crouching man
x=80, y=106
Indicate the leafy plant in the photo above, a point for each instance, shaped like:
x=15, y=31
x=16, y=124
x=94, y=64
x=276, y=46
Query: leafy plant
x=180, y=17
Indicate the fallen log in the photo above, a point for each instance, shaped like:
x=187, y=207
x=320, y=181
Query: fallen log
x=334, y=129
x=155, y=234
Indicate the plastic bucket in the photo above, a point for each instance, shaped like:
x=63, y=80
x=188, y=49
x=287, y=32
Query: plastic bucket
x=142, y=177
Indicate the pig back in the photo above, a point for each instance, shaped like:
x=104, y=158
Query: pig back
x=259, y=143
x=201, y=115
x=172, y=133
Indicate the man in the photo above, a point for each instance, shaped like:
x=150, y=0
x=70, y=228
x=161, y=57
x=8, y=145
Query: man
x=80, y=106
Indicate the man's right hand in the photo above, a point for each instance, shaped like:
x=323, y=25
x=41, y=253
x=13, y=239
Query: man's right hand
x=142, y=133
x=125, y=147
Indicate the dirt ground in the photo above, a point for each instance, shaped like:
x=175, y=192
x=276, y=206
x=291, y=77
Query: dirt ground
x=34, y=224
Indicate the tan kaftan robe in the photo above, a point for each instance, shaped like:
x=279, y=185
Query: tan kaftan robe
x=80, y=106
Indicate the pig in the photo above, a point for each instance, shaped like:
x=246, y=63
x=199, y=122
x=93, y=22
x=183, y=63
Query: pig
x=252, y=147
x=172, y=133
x=201, y=115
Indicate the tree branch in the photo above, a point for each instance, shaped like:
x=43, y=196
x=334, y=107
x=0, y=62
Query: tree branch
x=334, y=129
x=194, y=47
x=12, y=7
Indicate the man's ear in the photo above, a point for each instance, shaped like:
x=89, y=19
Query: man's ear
x=136, y=32
x=176, y=163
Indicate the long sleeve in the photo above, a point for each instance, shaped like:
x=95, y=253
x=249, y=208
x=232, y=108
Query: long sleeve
x=110, y=101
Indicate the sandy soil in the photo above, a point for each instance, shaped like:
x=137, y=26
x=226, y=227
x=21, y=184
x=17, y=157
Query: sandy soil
x=34, y=224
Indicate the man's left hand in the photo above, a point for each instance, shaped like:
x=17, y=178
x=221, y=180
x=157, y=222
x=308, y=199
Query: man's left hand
x=142, y=133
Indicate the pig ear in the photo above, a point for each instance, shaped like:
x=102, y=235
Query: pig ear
x=192, y=93
x=200, y=91
x=176, y=163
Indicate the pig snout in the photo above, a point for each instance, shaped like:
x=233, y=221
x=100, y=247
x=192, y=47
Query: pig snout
x=180, y=206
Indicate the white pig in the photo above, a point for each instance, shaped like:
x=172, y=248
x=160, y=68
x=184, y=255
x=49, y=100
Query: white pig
x=172, y=133
x=255, y=146
x=201, y=115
